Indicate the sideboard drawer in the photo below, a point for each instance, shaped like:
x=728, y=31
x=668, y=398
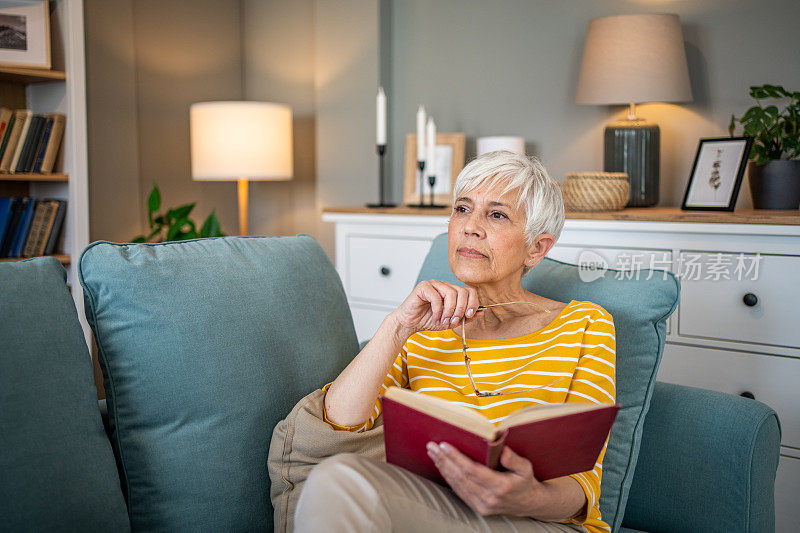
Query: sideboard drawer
x=772, y=380
x=715, y=308
x=383, y=269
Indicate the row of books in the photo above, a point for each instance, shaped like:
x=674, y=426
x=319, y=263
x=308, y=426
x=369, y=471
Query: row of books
x=30, y=227
x=29, y=142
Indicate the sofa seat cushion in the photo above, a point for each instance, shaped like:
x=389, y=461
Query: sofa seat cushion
x=57, y=470
x=205, y=345
x=640, y=308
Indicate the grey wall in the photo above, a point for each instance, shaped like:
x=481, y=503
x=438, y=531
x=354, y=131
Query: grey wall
x=482, y=68
x=148, y=60
x=115, y=195
x=278, y=40
x=346, y=82
x=510, y=68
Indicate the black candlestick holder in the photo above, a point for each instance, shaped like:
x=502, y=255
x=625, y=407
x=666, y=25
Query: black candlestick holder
x=431, y=204
x=421, y=167
x=381, y=179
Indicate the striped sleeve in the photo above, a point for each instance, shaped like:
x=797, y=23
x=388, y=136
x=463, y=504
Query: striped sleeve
x=397, y=377
x=594, y=381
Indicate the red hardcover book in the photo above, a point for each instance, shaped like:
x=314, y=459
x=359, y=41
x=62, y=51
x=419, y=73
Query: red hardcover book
x=558, y=439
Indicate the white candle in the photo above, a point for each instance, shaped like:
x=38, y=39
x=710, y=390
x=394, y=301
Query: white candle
x=381, y=105
x=421, y=133
x=430, y=163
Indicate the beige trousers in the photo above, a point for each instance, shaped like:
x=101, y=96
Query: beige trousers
x=352, y=493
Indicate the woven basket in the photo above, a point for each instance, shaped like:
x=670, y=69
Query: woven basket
x=595, y=191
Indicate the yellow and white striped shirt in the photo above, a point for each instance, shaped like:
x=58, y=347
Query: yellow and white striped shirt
x=578, y=345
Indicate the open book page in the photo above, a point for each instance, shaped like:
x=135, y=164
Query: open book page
x=543, y=412
x=456, y=415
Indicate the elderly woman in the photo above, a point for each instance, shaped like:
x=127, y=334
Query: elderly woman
x=507, y=213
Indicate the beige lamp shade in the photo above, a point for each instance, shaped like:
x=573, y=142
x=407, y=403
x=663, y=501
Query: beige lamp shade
x=631, y=59
x=235, y=140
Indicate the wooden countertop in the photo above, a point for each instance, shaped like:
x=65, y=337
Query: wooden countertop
x=655, y=214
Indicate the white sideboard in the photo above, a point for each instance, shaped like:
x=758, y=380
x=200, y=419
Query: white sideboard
x=735, y=329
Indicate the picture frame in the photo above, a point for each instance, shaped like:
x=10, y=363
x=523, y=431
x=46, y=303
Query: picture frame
x=25, y=36
x=450, y=149
x=717, y=174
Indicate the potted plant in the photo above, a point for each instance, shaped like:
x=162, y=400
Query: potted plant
x=774, y=168
x=175, y=224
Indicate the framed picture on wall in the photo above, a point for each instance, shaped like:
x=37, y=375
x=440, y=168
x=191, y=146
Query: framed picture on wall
x=25, y=36
x=717, y=174
x=449, y=162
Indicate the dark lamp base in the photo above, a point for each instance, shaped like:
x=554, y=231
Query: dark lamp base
x=632, y=147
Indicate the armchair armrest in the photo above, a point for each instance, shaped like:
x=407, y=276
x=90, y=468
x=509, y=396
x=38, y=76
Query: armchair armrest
x=707, y=463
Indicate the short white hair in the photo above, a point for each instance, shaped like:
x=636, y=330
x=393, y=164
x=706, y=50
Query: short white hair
x=540, y=194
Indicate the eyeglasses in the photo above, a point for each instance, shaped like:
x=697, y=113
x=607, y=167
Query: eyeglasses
x=467, y=360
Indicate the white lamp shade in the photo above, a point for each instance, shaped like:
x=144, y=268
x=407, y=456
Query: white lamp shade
x=490, y=144
x=630, y=59
x=235, y=140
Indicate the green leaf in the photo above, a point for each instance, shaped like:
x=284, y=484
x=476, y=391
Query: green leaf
x=752, y=129
x=758, y=92
x=140, y=238
x=751, y=113
x=154, y=201
x=781, y=91
x=173, y=232
x=211, y=227
x=180, y=212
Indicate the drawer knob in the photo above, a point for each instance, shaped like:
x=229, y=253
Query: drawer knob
x=750, y=299
x=748, y=394
x=385, y=271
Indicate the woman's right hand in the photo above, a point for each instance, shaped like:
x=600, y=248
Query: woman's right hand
x=434, y=306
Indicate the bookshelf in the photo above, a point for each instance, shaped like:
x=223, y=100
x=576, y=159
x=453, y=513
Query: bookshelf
x=30, y=75
x=64, y=258
x=61, y=89
x=34, y=177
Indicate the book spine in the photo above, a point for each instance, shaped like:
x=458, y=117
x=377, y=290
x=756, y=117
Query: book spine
x=47, y=224
x=5, y=214
x=24, y=227
x=37, y=163
x=60, y=209
x=37, y=226
x=54, y=143
x=11, y=231
x=494, y=449
x=31, y=141
x=37, y=140
x=26, y=125
x=7, y=135
x=13, y=140
x=5, y=116
x=12, y=209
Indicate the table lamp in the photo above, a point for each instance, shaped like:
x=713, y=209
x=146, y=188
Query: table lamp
x=241, y=141
x=632, y=59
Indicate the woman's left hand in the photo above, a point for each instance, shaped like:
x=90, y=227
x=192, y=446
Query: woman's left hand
x=515, y=492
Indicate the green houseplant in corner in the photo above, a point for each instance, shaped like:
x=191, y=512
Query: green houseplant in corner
x=774, y=168
x=175, y=224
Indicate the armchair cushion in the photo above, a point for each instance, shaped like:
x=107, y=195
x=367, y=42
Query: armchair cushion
x=707, y=463
x=640, y=308
x=57, y=470
x=205, y=345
